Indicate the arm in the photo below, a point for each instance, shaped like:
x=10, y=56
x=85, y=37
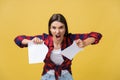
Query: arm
x=22, y=41
x=86, y=39
x=86, y=42
x=35, y=40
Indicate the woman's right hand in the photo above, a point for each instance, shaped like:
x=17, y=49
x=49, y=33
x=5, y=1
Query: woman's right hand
x=36, y=40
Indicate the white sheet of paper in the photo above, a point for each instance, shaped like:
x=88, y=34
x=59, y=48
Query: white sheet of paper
x=36, y=52
x=71, y=51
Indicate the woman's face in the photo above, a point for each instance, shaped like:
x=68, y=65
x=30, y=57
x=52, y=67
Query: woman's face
x=57, y=30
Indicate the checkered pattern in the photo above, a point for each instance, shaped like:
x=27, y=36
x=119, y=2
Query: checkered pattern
x=67, y=41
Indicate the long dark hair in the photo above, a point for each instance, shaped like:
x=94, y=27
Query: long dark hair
x=58, y=17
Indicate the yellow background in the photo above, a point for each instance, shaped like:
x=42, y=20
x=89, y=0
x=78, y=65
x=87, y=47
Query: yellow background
x=30, y=17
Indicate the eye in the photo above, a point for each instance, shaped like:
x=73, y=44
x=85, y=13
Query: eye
x=61, y=27
x=53, y=27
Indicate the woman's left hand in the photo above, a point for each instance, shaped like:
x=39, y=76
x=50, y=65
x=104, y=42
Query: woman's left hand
x=80, y=43
x=86, y=42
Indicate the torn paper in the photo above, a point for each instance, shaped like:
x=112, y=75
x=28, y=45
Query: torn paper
x=71, y=51
x=36, y=52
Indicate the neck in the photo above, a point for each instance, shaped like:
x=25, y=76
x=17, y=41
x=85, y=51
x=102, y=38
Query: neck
x=57, y=41
x=57, y=44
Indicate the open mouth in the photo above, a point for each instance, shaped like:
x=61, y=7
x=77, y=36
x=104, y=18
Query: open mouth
x=57, y=36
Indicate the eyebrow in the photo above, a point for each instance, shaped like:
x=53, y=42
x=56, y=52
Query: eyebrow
x=55, y=26
x=61, y=26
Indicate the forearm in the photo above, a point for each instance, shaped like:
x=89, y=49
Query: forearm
x=89, y=41
x=25, y=41
x=21, y=41
x=95, y=35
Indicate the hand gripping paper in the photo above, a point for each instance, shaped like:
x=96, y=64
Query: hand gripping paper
x=71, y=51
x=36, y=52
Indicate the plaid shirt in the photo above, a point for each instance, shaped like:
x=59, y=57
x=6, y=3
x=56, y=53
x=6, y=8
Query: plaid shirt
x=67, y=41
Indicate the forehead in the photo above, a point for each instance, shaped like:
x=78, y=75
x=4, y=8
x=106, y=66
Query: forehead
x=57, y=23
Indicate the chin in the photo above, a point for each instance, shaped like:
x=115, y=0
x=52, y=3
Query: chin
x=58, y=39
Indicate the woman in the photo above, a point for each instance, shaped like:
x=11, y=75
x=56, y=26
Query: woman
x=57, y=66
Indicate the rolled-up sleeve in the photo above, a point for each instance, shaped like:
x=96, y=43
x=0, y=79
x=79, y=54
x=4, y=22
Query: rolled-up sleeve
x=84, y=36
x=95, y=35
x=18, y=39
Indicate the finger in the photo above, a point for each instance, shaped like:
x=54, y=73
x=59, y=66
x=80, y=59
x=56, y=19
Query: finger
x=41, y=41
x=36, y=40
x=79, y=42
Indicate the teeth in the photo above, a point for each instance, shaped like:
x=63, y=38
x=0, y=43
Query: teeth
x=57, y=36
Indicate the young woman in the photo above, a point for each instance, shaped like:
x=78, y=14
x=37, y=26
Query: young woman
x=57, y=66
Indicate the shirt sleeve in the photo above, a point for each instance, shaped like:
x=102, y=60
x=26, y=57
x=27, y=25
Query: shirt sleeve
x=84, y=36
x=18, y=39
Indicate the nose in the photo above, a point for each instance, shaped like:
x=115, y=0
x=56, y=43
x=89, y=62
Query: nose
x=57, y=31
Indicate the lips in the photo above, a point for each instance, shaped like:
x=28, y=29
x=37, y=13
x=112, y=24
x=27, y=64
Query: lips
x=57, y=36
